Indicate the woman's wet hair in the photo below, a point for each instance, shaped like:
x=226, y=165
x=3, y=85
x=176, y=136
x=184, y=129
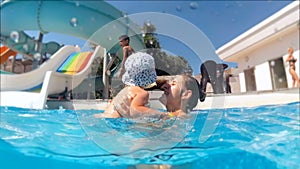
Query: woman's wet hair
x=192, y=84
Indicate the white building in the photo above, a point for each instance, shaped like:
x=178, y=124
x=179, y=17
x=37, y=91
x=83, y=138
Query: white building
x=261, y=51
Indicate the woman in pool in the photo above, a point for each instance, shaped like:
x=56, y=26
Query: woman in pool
x=292, y=65
x=180, y=94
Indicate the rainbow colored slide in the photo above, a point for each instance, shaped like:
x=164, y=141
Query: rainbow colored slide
x=65, y=69
x=75, y=63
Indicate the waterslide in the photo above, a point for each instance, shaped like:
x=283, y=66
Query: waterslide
x=6, y=53
x=66, y=69
x=95, y=21
x=33, y=80
x=68, y=60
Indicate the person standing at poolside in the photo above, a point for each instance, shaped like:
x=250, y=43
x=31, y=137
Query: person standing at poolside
x=292, y=68
x=227, y=82
x=127, y=51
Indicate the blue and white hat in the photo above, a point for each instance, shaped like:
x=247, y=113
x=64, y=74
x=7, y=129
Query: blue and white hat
x=140, y=70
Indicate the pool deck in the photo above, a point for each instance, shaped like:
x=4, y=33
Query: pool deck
x=251, y=99
x=212, y=101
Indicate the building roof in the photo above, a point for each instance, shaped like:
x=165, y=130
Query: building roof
x=284, y=20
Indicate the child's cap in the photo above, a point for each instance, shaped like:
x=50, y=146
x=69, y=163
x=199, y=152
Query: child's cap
x=140, y=70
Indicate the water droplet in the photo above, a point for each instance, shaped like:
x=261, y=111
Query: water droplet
x=239, y=4
x=74, y=22
x=148, y=22
x=193, y=5
x=178, y=8
x=272, y=63
x=37, y=56
x=216, y=13
x=14, y=35
x=26, y=57
x=25, y=47
x=77, y=3
x=93, y=19
x=109, y=38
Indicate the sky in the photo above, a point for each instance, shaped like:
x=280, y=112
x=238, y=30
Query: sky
x=219, y=21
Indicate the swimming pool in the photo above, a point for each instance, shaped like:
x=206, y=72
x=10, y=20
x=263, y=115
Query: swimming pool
x=258, y=137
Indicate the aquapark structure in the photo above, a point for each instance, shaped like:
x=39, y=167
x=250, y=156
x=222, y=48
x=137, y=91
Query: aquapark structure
x=95, y=21
x=99, y=23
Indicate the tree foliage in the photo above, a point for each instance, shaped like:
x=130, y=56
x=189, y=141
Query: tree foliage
x=165, y=64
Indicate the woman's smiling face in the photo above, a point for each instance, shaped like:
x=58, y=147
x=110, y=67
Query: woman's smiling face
x=173, y=90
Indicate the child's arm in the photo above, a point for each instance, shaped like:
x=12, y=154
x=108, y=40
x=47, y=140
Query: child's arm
x=138, y=107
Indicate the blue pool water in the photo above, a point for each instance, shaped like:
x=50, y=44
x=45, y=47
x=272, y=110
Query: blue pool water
x=259, y=137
